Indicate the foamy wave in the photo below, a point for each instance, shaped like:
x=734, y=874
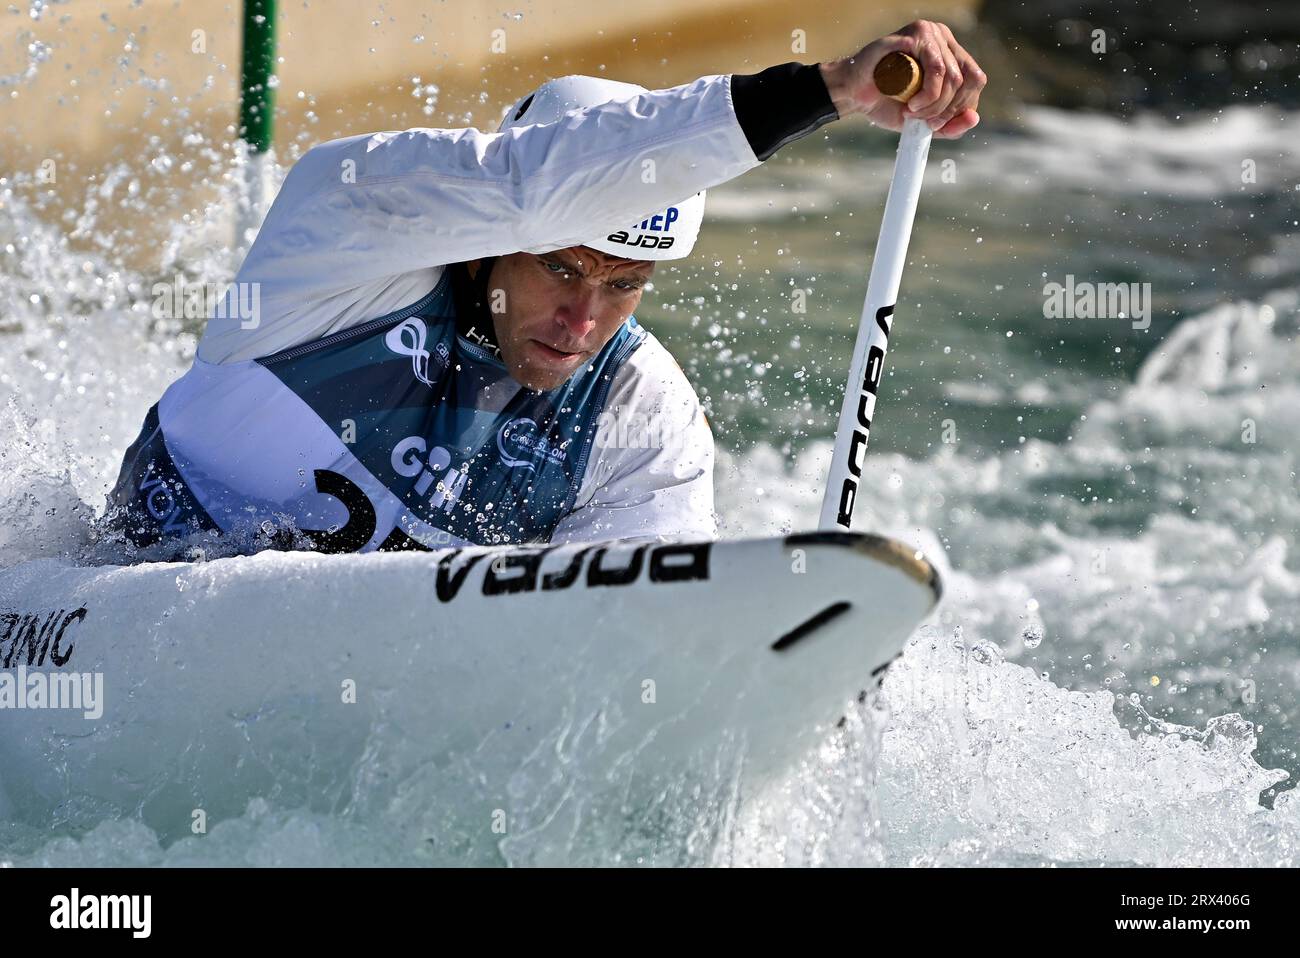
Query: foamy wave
x=1193, y=156
x=987, y=761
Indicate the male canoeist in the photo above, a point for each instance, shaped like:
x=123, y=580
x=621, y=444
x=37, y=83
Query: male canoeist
x=443, y=350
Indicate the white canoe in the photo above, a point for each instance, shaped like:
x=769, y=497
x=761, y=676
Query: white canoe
x=326, y=681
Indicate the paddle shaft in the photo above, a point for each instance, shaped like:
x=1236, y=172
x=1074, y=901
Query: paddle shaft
x=900, y=80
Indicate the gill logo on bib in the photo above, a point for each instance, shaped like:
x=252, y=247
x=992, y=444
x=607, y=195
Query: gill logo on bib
x=519, y=445
x=409, y=459
x=396, y=340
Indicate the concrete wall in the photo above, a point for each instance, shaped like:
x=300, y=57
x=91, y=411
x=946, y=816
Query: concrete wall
x=142, y=95
x=118, y=72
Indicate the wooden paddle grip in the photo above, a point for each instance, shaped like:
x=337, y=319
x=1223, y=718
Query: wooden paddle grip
x=898, y=76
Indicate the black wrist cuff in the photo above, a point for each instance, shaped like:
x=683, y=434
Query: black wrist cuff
x=781, y=104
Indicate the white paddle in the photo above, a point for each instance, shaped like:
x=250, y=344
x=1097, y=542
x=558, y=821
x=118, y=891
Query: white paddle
x=898, y=76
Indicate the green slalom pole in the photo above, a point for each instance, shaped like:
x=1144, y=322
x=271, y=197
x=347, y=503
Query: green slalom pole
x=256, y=113
x=256, y=95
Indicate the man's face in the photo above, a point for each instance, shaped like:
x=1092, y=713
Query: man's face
x=559, y=309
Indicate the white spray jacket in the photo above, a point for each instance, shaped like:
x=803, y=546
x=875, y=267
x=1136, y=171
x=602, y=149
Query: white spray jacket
x=366, y=226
